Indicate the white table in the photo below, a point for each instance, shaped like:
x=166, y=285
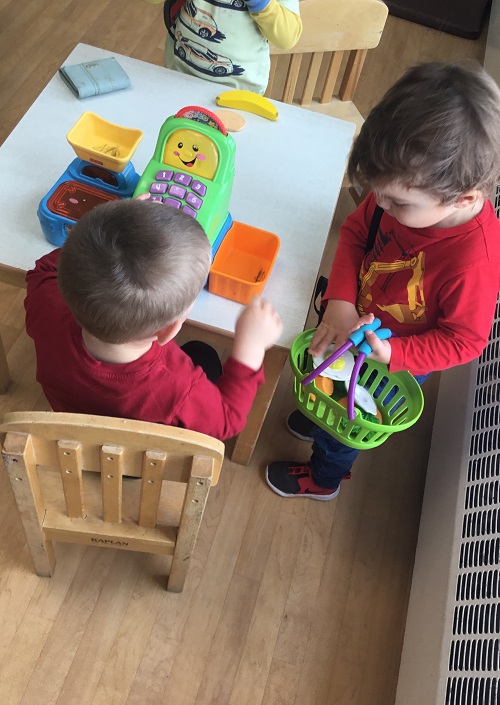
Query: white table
x=288, y=176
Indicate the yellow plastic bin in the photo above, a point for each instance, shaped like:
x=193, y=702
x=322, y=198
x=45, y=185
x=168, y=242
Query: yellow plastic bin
x=243, y=263
x=103, y=143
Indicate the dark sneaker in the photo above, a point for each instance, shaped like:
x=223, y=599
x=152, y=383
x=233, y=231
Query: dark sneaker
x=294, y=480
x=300, y=426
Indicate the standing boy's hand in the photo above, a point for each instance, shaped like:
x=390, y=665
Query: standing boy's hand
x=381, y=349
x=340, y=319
x=257, y=328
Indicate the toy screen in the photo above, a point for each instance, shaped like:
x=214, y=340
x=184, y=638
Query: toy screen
x=191, y=151
x=72, y=199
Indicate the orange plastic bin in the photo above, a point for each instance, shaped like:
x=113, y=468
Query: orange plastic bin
x=243, y=263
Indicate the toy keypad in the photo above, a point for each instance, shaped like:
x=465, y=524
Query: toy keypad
x=178, y=189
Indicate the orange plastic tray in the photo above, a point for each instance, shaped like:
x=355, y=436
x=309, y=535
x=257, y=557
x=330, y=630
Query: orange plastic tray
x=243, y=263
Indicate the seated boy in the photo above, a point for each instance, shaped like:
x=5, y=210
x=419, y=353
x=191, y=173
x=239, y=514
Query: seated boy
x=430, y=153
x=104, y=309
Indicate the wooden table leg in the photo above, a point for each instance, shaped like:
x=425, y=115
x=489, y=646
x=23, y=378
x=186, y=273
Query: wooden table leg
x=5, y=378
x=246, y=441
x=13, y=277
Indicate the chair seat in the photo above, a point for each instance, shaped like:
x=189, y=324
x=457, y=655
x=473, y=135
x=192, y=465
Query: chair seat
x=341, y=109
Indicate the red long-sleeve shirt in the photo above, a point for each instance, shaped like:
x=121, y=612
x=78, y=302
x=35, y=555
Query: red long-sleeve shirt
x=436, y=289
x=162, y=386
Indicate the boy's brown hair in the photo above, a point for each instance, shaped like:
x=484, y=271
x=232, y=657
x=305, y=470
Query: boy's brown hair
x=437, y=129
x=130, y=267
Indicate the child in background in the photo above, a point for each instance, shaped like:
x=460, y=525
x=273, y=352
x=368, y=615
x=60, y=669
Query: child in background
x=430, y=154
x=103, y=312
x=226, y=41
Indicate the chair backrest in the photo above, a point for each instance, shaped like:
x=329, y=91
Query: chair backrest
x=329, y=56
x=74, y=480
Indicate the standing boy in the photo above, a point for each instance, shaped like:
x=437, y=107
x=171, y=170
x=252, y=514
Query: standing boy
x=430, y=154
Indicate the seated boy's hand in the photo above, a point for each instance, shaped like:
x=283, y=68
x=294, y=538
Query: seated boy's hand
x=257, y=328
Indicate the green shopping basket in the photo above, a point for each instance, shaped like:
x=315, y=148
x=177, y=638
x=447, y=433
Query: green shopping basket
x=397, y=395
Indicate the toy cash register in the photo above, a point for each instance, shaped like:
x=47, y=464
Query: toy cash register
x=102, y=172
x=192, y=169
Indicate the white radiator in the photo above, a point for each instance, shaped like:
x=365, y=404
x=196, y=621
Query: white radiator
x=451, y=651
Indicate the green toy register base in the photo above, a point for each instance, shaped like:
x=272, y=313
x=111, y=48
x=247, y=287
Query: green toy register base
x=192, y=168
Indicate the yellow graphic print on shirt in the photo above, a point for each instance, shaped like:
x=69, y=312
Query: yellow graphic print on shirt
x=382, y=273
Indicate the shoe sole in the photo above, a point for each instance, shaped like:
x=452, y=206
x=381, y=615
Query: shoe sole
x=320, y=497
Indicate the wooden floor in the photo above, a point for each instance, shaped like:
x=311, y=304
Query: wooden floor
x=287, y=601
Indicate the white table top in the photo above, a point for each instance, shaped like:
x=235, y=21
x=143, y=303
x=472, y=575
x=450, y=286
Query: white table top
x=288, y=176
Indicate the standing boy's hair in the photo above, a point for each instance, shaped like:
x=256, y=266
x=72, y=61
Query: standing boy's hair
x=437, y=129
x=128, y=268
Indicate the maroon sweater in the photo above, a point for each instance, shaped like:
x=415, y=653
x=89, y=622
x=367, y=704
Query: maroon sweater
x=162, y=386
x=436, y=289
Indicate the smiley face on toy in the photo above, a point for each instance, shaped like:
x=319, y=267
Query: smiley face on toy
x=192, y=151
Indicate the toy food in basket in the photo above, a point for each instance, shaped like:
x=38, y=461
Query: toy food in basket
x=397, y=396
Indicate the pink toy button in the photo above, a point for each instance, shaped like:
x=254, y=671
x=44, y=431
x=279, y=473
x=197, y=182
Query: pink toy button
x=200, y=188
x=194, y=201
x=172, y=202
x=164, y=176
x=189, y=211
x=157, y=188
x=177, y=191
x=181, y=178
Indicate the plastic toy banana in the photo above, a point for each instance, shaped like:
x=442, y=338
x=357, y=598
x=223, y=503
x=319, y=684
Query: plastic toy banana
x=246, y=100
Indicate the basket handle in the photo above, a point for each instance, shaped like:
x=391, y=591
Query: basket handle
x=382, y=334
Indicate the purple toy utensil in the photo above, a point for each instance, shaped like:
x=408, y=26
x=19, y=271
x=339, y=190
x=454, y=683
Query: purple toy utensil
x=327, y=362
x=355, y=338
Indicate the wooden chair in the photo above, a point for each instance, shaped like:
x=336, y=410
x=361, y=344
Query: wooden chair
x=322, y=70
x=68, y=476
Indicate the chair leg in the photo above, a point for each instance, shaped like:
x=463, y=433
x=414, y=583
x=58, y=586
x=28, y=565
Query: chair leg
x=5, y=378
x=192, y=514
x=21, y=467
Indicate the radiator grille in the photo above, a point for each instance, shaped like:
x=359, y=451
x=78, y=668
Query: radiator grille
x=474, y=654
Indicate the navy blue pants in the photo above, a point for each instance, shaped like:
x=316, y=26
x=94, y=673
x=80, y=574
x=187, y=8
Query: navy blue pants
x=331, y=460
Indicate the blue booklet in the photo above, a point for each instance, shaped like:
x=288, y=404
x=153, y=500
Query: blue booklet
x=95, y=77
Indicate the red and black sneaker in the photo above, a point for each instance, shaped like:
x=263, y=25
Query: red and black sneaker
x=294, y=480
